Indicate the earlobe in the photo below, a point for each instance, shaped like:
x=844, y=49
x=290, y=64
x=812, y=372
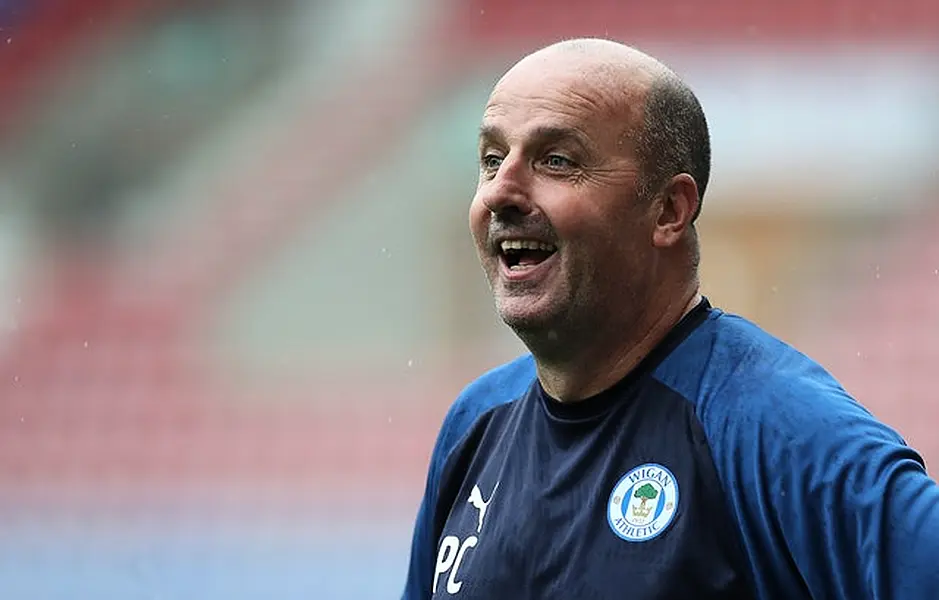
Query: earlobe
x=679, y=204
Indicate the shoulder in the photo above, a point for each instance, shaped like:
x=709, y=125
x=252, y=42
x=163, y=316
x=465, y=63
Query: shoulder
x=749, y=386
x=496, y=387
x=800, y=460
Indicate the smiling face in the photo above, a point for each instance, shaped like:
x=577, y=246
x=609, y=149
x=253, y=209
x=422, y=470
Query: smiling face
x=561, y=235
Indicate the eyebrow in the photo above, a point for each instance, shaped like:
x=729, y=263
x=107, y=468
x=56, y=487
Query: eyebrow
x=543, y=134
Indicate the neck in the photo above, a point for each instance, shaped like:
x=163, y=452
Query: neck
x=603, y=364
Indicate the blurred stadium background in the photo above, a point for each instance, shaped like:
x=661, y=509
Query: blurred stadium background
x=238, y=292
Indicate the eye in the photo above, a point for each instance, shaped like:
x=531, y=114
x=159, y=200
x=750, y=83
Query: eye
x=491, y=162
x=557, y=161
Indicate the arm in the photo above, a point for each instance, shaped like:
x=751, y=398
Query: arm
x=856, y=507
x=495, y=387
x=831, y=502
x=423, y=542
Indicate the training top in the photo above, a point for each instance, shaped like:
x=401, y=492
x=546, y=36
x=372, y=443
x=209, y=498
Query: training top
x=726, y=465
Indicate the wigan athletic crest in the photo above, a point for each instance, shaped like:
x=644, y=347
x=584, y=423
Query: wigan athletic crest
x=643, y=503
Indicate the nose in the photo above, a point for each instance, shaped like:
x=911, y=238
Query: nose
x=508, y=191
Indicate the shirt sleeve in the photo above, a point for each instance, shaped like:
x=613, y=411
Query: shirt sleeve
x=832, y=503
x=495, y=387
x=423, y=544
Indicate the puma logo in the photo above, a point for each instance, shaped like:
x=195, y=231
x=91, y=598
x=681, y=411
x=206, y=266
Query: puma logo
x=476, y=499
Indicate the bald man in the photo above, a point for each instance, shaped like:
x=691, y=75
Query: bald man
x=649, y=446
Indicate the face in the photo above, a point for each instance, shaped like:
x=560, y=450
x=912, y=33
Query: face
x=560, y=233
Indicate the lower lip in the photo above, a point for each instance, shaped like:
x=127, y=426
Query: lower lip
x=527, y=274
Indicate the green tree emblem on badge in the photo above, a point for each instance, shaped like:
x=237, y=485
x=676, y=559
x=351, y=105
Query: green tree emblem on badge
x=644, y=493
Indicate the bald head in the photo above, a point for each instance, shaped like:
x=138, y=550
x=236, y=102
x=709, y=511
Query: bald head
x=597, y=57
x=610, y=75
x=657, y=111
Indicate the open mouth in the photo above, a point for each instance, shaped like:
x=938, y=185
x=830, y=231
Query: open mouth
x=519, y=255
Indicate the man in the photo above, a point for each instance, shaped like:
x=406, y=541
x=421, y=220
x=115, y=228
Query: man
x=650, y=446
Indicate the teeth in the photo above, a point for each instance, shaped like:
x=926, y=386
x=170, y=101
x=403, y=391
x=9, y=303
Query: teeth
x=526, y=245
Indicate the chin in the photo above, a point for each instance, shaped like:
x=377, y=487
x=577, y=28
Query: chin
x=526, y=317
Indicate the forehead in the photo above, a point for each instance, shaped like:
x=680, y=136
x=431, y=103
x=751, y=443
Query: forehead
x=538, y=98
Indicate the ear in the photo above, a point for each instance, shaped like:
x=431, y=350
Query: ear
x=677, y=208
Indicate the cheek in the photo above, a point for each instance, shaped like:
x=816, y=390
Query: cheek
x=603, y=246
x=582, y=224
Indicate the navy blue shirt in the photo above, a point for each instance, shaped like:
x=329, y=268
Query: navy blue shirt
x=726, y=465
